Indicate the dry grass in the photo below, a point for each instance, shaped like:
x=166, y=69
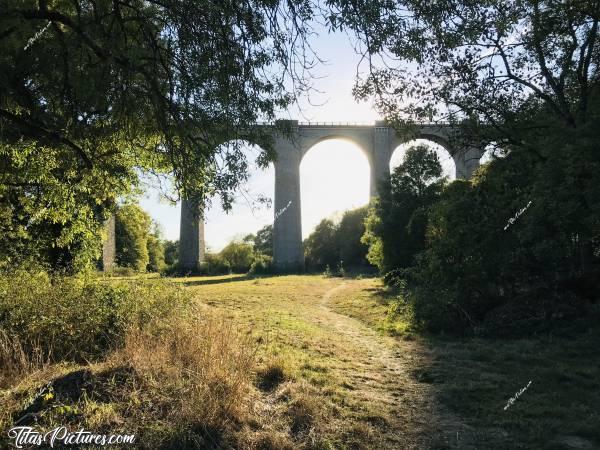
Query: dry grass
x=205, y=367
x=18, y=360
x=186, y=388
x=304, y=362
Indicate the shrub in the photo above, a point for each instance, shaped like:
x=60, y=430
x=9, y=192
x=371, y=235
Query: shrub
x=214, y=264
x=477, y=260
x=239, y=256
x=78, y=318
x=262, y=264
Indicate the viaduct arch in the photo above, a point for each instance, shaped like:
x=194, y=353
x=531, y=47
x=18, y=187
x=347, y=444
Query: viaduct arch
x=378, y=141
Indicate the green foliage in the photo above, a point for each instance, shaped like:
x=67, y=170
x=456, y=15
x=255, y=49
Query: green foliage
x=321, y=247
x=132, y=227
x=110, y=89
x=462, y=55
x=548, y=258
x=263, y=240
x=171, y=255
x=214, y=264
x=536, y=98
x=261, y=265
x=330, y=243
x=352, y=250
x=156, y=252
x=48, y=212
x=78, y=318
x=395, y=226
x=239, y=256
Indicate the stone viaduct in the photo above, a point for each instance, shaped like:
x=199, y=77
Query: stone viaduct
x=378, y=141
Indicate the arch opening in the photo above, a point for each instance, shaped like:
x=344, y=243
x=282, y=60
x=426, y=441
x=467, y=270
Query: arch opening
x=252, y=205
x=335, y=176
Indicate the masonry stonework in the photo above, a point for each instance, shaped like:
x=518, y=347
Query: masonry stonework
x=378, y=141
x=109, y=246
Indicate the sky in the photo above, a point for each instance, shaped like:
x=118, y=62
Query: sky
x=324, y=192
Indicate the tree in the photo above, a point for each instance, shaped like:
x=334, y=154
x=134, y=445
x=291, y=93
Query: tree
x=156, y=251
x=239, y=255
x=321, y=247
x=132, y=229
x=352, y=250
x=525, y=75
x=395, y=227
x=499, y=63
x=171, y=252
x=92, y=92
x=263, y=241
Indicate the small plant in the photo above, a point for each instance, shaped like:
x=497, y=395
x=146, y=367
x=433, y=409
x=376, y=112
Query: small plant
x=327, y=272
x=341, y=272
x=262, y=264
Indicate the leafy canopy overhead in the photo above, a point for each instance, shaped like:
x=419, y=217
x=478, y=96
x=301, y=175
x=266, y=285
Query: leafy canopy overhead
x=157, y=84
x=499, y=62
x=92, y=91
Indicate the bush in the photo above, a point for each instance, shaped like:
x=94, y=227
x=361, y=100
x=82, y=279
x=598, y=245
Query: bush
x=79, y=318
x=481, y=255
x=132, y=228
x=239, y=256
x=331, y=242
x=214, y=264
x=262, y=264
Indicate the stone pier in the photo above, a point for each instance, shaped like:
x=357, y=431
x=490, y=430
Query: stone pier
x=288, y=254
x=109, y=246
x=191, y=237
x=378, y=141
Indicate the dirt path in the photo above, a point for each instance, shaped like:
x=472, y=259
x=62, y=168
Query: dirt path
x=365, y=381
x=407, y=416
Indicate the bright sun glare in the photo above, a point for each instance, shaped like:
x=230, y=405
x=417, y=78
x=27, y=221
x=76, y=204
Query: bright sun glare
x=334, y=177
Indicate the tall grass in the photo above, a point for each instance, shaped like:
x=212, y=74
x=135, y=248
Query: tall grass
x=81, y=318
x=183, y=376
x=200, y=373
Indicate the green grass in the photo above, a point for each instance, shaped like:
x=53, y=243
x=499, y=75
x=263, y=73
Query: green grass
x=474, y=378
x=326, y=366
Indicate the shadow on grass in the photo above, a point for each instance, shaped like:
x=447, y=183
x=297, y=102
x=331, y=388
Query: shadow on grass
x=474, y=379
x=69, y=389
x=219, y=279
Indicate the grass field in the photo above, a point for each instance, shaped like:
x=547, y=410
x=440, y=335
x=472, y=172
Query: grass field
x=329, y=369
x=382, y=386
